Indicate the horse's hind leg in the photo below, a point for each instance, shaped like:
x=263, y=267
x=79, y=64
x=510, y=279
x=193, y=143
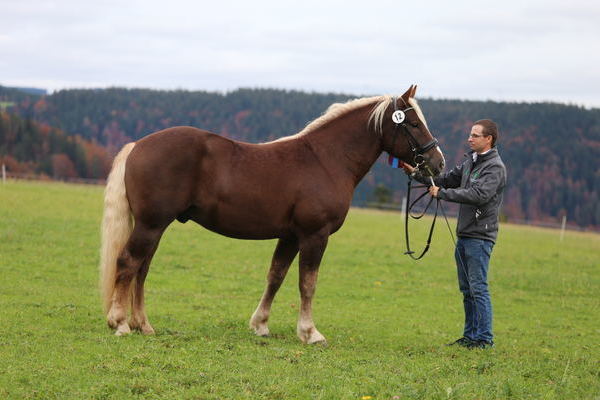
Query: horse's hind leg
x=139, y=319
x=139, y=248
x=284, y=254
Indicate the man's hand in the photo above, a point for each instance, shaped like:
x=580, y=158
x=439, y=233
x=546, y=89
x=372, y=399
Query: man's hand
x=409, y=169
x=433, y=190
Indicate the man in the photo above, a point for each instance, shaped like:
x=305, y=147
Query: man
x=477, y=184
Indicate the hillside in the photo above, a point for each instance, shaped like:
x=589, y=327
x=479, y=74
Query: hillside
x=28, y=147
x=551, y=150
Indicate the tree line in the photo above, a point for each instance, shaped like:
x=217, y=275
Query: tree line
x=550, y=150
x=28, y=147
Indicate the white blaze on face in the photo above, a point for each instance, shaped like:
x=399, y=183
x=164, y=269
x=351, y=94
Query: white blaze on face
x=441, y=154
x=415, y=105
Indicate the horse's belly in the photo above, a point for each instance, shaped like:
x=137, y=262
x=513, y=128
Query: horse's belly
x=241, y=222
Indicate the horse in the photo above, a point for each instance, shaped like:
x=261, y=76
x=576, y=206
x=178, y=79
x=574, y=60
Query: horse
x=296, y=189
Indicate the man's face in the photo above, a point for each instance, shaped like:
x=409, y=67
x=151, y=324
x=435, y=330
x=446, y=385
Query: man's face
x=477, y=141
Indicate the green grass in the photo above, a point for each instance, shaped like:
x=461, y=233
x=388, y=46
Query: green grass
x=386, y=317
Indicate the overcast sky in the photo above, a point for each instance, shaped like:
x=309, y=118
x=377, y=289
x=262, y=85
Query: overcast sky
x=516, y=50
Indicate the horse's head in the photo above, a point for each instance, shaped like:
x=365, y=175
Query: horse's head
x=405, y=134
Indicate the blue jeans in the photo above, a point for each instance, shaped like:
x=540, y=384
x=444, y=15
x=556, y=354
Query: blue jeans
x=472, y=262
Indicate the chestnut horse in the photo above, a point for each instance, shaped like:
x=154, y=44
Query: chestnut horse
x=297, y=189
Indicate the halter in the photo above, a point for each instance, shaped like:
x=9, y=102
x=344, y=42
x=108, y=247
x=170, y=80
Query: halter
x=399, y=116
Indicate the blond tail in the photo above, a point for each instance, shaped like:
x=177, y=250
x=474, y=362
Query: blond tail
x=117, y=225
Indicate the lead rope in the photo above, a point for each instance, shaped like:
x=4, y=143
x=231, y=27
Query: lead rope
x=409, y=215
x=462, y=265
x=448, y=224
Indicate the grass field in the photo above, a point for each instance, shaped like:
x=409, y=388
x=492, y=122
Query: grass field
x=386, y=317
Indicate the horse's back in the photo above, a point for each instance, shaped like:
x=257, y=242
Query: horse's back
x=238, y=189
x=178, y=141
x=162, y=170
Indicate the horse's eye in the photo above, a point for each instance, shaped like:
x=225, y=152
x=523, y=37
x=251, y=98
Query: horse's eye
x=415, y=124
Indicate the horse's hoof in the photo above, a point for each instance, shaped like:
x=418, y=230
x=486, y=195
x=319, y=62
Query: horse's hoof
x=311, y=336
x=317, y=339
x=143, y=327
x=262, y=331
x=123, y=329
x=147, y=330
x=112, y=324
x=259, y=326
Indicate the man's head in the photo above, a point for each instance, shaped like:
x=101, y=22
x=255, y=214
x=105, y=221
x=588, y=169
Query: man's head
x=484, y=134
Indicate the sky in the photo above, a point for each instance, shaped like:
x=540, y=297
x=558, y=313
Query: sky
x=510, y=50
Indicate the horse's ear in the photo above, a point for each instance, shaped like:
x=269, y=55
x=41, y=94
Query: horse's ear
x=408, y=94
x=414, y=91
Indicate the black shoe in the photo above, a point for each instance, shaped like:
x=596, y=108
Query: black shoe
x=481, y=344
x=463, y=341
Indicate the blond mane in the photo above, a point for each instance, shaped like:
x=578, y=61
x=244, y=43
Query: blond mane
x=337, y=109
x=379, y=111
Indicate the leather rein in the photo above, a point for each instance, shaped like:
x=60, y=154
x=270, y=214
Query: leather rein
x=399, y=118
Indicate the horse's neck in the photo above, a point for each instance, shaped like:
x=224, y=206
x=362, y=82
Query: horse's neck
x=346, y=145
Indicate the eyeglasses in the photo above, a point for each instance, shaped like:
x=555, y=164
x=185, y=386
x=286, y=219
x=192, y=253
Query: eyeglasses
x=476, y=135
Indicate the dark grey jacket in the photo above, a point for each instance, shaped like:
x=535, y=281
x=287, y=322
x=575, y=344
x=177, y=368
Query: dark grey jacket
x=479, y=189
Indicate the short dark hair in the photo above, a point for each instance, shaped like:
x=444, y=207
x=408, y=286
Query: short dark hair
x=489, y=129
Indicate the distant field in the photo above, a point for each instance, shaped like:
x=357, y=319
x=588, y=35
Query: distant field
x=386, y=317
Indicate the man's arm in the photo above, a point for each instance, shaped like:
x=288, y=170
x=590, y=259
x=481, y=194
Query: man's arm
x=480, y=191
x=450, y=179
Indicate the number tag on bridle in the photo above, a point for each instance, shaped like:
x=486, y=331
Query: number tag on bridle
x=398, y=116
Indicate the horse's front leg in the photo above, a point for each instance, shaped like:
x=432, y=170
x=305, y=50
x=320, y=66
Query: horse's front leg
x=283, y=256
x=311, y=253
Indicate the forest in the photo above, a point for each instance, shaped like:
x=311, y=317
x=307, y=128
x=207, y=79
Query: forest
x=551, y=150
